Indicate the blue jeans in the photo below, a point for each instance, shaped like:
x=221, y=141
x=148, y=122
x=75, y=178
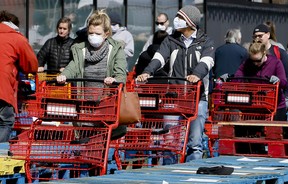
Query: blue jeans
x=194, y=145
x=7, y=119
x=195, y=137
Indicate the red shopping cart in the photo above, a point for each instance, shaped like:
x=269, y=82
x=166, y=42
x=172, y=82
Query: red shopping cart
x=241, y=100
x=93, y=111
x=146, y=143
x=236, y=100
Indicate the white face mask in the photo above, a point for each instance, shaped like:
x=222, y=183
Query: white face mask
x=161, y=27
x=95, y=40
x=179, y=23
x=115, y=28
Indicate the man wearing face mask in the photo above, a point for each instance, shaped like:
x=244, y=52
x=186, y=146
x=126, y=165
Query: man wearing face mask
x=162, y=24
x=121, y=34
x=191, y=55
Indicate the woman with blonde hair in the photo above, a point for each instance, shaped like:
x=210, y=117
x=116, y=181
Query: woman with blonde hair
x=100, y=56
x=262, y=65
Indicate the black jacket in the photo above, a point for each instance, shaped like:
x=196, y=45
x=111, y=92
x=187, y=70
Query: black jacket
x=55, y=52
x=197, y=59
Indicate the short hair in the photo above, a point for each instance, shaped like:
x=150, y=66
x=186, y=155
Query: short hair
x=100, y=17
x=65, y=20
x=9, y=17
x=256, y=47
x=233, y=36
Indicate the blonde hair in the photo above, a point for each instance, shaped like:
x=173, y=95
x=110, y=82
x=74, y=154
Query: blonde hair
x=100, y=17
x=256, y=47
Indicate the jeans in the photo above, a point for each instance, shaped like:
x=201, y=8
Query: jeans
x=7, y=119
x=194, y=145
x=195, y=137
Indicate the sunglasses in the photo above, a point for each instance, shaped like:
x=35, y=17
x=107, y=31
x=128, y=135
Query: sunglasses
x=160, y=23
x=257, y=61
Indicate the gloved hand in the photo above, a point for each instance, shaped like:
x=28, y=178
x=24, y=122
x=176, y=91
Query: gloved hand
x=274, y=79
x=224, y=77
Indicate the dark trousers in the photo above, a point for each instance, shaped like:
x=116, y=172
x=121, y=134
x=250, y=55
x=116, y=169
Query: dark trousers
x=7, y=119
x=280, y=115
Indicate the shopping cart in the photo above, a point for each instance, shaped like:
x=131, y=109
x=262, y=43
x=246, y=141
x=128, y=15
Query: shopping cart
x=92, y=113
x=148, y=142
x=164, y=97
x=236, y=100
x=240, y=99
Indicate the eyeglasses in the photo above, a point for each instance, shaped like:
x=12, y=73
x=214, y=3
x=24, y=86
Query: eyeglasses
x=258, y=60
x=258, y=36
x=161, y=23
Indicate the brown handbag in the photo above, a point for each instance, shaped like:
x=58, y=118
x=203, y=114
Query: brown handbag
x=130, y=111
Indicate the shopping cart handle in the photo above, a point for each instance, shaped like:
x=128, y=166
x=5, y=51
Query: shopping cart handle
x=232, y=78
x=77, y=80
x=167, y=78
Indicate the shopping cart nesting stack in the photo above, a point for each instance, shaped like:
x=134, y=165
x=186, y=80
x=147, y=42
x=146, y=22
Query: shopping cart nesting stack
x=236, y=105
x=92, y=113
x=146, y=142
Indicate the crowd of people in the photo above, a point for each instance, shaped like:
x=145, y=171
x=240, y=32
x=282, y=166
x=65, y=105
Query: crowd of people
x=104, y=47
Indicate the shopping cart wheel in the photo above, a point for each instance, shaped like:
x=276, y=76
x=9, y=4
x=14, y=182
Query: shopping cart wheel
x=118, y=132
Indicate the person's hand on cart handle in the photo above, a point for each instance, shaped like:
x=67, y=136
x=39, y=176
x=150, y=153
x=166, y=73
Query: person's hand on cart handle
x=109, y=80
x=192, y=78
x=61, y=79
x=40, y=69
x=143, y=77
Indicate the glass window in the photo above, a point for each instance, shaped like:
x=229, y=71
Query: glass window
x=78, y=11
x=113, y=6
x=44, y=16
x=139, y=24
x=16, y=7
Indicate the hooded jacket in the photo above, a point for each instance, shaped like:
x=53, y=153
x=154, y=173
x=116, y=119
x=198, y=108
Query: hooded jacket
x=15, y=55
x=116, y=65
x=197, y=59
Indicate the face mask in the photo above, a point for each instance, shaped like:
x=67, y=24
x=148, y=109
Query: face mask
x=95, y=40
x=161, y=27
x=179, y=23
x=115, y=28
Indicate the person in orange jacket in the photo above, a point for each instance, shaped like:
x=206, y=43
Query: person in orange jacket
x=15, y=55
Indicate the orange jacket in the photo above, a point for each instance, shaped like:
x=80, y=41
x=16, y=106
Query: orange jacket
x=15, y=54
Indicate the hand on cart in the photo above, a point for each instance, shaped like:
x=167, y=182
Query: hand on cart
x=143, y=77
x=193, y=78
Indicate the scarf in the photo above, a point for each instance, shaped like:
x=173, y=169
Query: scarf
x=94, y=56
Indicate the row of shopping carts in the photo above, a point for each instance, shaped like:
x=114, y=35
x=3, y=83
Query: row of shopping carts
x=68, y=127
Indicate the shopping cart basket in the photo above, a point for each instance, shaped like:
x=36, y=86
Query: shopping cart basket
x=236, y=100
x=168, y=98
x=154, y=136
